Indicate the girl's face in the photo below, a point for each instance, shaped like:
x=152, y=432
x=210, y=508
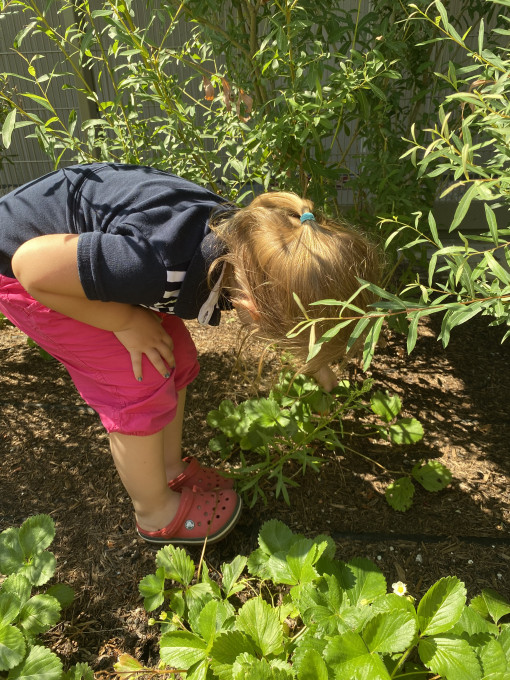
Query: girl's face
x=241, y=301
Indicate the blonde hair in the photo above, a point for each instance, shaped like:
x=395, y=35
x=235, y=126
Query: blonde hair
x=274, y=255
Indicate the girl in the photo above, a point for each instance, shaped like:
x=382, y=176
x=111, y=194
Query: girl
x=100, y=263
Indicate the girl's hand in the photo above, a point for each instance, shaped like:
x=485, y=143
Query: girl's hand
x=326, y=378
x=145, y=335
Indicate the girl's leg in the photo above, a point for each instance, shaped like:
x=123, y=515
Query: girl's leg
x=172, y=440
x=162, y=515
x=195, y=475
x=140, y=462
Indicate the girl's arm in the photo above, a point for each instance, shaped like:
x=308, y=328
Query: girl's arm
x=47, y=268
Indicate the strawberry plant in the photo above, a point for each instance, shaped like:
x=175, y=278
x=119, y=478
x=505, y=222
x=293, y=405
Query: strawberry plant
x=291, y=611
x=277, y=436
x=24, y=616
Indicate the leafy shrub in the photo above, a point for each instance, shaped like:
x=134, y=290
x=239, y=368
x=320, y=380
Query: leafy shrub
x=301, y=614
x=468, y=149
x=271, y=94
x=276, y=436
x=24, y=616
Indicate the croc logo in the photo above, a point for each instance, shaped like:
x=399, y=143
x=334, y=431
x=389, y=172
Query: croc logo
x=189, y=524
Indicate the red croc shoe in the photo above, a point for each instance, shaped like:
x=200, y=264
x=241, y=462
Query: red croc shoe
x=201, y=516
x=205, y=479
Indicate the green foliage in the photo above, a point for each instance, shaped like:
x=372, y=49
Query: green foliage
x=279, y=94
x=277, y=436
x=265, y=94
x=467, y=149
x=4, y=110
x=24, y=616
x=300, y=614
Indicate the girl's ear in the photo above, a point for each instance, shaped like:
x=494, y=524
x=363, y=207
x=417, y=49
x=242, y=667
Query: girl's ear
x=246, y=309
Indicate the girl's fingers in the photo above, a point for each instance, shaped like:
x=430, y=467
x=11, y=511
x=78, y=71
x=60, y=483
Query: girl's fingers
x=163, y=361
x=136, y=362
x=168, y=357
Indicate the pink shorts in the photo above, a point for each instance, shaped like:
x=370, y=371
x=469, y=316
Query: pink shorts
x=100, y=366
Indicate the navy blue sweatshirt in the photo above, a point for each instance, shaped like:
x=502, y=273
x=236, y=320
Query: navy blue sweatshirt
x=144, y=236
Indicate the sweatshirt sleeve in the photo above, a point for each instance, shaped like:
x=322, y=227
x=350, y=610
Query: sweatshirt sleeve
x=120, y=267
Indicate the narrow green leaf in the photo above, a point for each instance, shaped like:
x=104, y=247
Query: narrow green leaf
x=491, y=221
x=442, y=12
x=481, y=36
x=23, y=33
x=357, y=332
x=300, y=305
x=371, y=342
x=497, y=269
x=463, y=206
x=465, y=158
x=8, y=127
x=433, y=230
x=377, y=91
x=40, y=100
x=412, y=331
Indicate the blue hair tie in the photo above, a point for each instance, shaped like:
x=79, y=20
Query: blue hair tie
x=305, y=217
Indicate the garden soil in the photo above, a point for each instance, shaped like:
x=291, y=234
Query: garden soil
x=55, y=460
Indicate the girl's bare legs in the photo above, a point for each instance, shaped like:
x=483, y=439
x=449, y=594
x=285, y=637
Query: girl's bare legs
x=141, y=467
x=172, y=440
x=146, y=465
x=143, y=464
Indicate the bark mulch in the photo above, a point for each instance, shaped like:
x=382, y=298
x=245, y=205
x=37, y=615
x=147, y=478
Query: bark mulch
x=55, y=460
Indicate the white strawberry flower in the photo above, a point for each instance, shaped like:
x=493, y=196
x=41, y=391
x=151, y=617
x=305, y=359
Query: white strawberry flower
x=399, y=588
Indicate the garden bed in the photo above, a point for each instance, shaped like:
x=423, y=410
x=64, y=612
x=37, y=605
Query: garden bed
x=55, y=460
